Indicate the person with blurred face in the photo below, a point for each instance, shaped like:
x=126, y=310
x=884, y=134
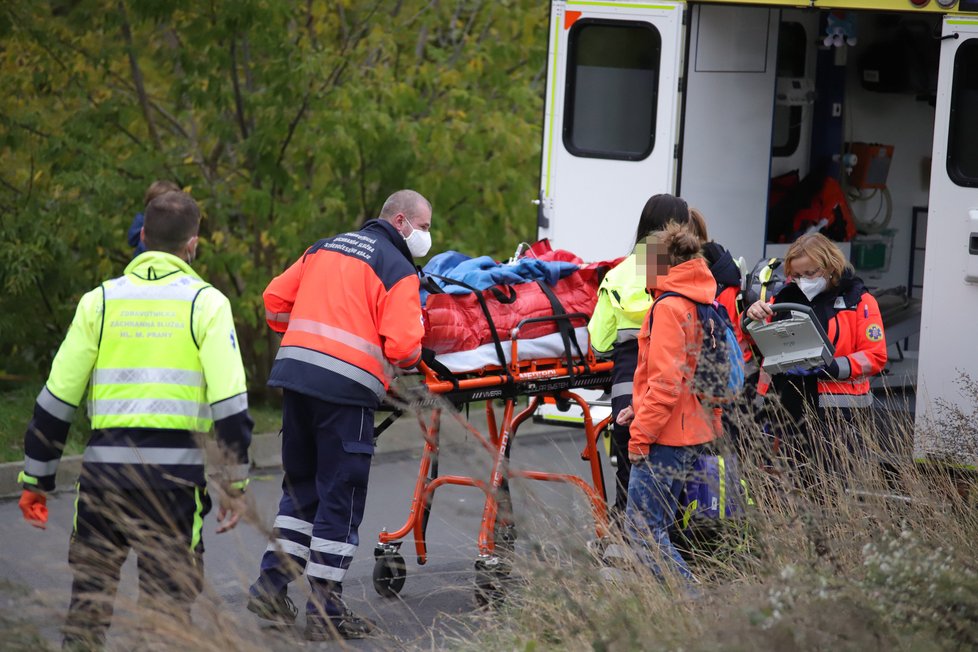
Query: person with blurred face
x=623, y=302
x=668, y=424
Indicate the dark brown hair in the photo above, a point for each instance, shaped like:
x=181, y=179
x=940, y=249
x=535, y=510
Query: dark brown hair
x=681, y=242
x=659, y=211
x=158, y=188
x=171, y=220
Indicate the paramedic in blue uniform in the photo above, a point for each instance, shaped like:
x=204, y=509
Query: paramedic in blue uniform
x=156, y=351
x=350, y=312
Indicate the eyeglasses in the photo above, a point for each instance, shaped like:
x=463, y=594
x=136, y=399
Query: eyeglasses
x=810, y=274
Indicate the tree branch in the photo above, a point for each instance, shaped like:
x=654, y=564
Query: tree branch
x=137, y=76
x=238, y=100
x=292, y=126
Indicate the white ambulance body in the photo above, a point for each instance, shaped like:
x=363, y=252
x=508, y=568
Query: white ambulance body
x=710, y=100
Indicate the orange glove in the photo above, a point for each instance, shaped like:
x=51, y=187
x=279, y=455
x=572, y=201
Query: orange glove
x=35, y=508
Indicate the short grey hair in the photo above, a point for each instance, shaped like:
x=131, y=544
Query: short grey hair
x=408, y=202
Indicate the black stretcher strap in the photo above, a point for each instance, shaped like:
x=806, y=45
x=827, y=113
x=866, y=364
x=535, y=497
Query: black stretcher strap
x=565, y=328
x=485, y=310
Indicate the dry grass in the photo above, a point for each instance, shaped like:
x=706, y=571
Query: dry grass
x=879, y=556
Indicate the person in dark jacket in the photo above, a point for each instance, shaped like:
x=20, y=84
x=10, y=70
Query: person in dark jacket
x=155, y=189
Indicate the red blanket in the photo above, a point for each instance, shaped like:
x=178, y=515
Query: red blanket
x=456, y=322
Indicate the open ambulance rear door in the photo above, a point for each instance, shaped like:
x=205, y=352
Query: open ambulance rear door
x=949, y=320
x=611, y=121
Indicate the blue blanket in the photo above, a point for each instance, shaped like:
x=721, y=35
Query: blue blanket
x=483, y=272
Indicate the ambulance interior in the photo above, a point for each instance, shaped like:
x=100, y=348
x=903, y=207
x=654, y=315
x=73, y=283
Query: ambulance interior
x=852, y=116
x=881, y=70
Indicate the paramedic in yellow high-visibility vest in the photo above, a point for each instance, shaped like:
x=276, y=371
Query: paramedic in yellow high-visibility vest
x=157, y=352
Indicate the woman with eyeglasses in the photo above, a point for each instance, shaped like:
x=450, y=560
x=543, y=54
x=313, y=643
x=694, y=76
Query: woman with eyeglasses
x=838, y=394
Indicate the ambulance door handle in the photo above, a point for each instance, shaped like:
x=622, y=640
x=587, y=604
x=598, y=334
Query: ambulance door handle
x=971, y=267
x=543, y=222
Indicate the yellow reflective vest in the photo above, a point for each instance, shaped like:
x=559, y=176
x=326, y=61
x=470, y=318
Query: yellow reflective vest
x=622, y=305
x=157, y=351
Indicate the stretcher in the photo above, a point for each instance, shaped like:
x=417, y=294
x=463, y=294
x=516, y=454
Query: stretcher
x=558, y=376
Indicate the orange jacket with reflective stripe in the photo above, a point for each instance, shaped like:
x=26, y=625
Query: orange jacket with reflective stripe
x=349, y=308
x=667, y=411
x=852, y=322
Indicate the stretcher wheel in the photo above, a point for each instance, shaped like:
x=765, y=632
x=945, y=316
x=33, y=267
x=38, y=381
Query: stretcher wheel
x=390, y=572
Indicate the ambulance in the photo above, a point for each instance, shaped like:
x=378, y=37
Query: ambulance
x=733, y=105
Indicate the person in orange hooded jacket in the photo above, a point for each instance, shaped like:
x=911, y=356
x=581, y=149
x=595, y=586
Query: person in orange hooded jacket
x=669, y=426
x=849, y=314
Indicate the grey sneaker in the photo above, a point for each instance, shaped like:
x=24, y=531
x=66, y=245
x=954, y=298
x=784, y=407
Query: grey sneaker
x=346, y=626
x=277, y=608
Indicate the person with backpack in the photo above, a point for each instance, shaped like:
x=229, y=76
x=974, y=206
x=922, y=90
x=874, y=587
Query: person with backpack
x=672, y=421
x=623, y=303
x=820, y=277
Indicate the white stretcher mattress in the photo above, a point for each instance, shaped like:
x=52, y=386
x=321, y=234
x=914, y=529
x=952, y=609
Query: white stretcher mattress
x=546, y=346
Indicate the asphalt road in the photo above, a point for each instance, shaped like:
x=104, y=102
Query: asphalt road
x=436, y=605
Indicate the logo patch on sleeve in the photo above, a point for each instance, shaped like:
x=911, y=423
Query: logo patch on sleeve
x=874, y=333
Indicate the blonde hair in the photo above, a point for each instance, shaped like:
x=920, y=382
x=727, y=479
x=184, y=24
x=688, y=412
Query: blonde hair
x=158, y=188
x=681, y=242
x=698, y=224
x=822, y=251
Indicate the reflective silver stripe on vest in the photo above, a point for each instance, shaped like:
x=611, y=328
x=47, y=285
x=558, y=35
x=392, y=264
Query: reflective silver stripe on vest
x=627, y=334
x=159, y=406
x=184, y=288
x=55, y=406
x=229, y=406
x=158, y=375
x=38, y=468
x=131, y=455
x=845, y=400
x=333, y=547
x=324, y=572
x=337, y=335
x=280, y=317
x=354, y=373
x=622, y=389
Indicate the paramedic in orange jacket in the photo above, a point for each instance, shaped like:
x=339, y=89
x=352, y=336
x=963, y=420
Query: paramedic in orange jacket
x=350, y=311
x=670, y=426
x=823, y=279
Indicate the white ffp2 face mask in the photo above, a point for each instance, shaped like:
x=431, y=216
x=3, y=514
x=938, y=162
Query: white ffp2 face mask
x=812, y=287
x=419, y=242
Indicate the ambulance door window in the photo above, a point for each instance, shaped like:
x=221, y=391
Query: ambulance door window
x=612, y=89
x=791, y=65
x=962, y=141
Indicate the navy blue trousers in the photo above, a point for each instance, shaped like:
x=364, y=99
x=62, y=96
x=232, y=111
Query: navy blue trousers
x=326, y=453
x=162, y=526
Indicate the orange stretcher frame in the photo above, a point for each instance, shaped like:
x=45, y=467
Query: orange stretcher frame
x=551, y=377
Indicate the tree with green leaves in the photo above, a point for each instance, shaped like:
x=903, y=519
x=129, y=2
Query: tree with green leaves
x=287, y=121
